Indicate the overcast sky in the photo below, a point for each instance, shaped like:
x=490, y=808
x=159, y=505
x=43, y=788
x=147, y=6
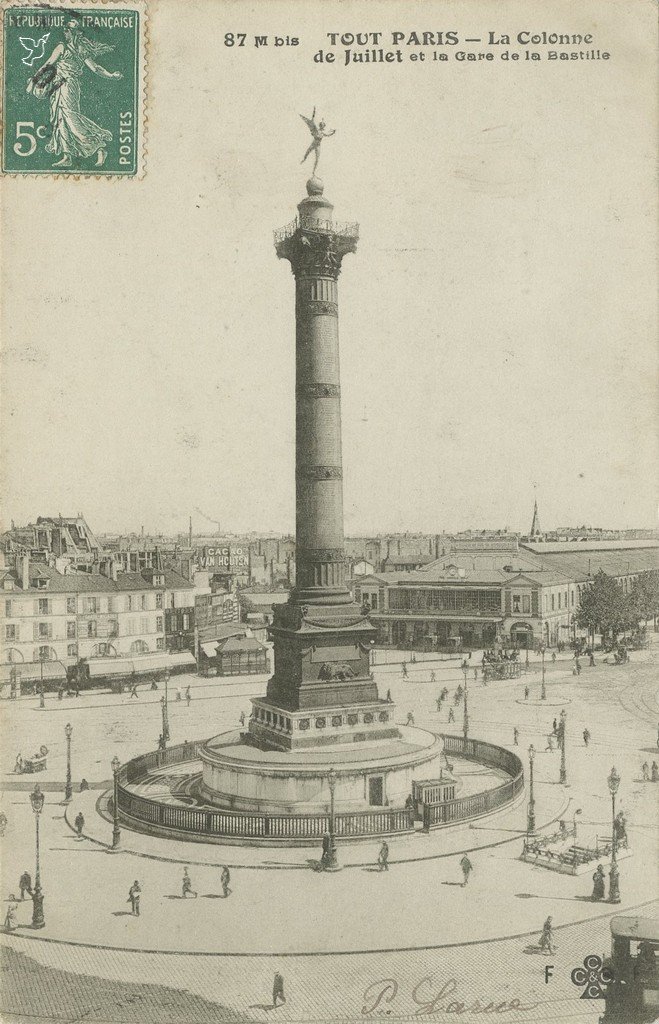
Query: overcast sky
x=497, y=322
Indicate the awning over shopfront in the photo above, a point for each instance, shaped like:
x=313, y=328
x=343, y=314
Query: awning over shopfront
x=140, y=665
x=31, y=670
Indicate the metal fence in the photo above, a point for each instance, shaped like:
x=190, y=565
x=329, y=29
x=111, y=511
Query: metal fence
x=476, y=804
x=350, y=825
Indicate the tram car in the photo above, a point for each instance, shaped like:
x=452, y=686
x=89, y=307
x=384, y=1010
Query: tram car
x=633, y=995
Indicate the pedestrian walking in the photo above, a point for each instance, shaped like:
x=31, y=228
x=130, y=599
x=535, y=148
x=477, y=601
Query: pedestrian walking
x=186, y=885
x=178, y=692
x=84, y=785
x=526, y=693
x=451, y=716
x=591, y=659
x=25, y=884
x=516, y=736
x=410, y=718
x=439, y=703
x=433, y=676
x=133, y=691
x=10, y=917
x=188, y=696
x=225, y=878
x=389, y=700
x=586, y=737
x=383, y=857
x=598, y=884
x=327, y=842
x=134, y=894
x=553, y=657
x=403, y=668
x=646, y=772
x=547, y=937
x=655, y=772
x=278, y=990
x=577, y=667
x=79, y=823
x=555, y=727
x=467, y=868
x=242, y=718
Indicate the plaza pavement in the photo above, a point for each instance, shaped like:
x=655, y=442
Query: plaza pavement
x=280, y=911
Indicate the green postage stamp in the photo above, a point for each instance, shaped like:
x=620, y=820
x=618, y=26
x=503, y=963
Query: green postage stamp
x=74, y=89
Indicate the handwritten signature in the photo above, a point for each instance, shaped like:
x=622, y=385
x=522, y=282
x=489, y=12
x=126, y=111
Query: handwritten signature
x=382, y=993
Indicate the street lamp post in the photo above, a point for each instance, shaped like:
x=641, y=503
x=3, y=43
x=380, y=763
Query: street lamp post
x=331, y=863
x=563, y=772
x=465, y=711
x=165, y=730
x=614, y=878
x=68, y=788
x=543, y=691
x=530, y=814
x=38, y=921
x=116, y=831
x=165, y=721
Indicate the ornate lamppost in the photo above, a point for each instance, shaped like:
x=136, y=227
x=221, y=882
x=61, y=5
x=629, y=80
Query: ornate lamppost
x=614, y=877
x=465, y=710
x=530, y=814
x=562, y=778
x=116, y=831
x=543, y=691
x=165, y=720
x=38, y=921
x=331, y=862
x=68, y=788
x=165, y=725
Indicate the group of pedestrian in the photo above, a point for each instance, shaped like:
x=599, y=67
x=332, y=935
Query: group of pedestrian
x=441, y=698
x=650, y=775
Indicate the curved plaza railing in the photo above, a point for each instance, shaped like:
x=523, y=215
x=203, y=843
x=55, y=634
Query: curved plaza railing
x=204, y=823
x=476, y=804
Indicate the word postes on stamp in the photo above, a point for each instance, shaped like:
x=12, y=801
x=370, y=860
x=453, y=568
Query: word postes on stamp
x=73, y=89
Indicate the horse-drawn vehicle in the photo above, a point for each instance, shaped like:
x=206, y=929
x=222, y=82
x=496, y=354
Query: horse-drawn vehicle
x=36, y=763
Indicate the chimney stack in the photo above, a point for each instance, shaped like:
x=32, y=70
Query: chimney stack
x=24, y=562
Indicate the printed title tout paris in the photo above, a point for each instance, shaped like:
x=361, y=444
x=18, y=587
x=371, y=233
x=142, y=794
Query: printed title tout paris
x=368, y=47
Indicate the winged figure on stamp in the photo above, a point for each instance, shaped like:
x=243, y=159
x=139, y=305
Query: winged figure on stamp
x=73, y=134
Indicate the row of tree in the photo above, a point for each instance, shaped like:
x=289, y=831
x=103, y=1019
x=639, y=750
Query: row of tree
x=607, y=610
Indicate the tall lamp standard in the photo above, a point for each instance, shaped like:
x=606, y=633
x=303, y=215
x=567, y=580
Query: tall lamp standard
x=543, y=690
x=530, y=814
x=68, y=788
x=465, y=712
x=331, y=863
x=562, y=728
x=165, y=725
x=38, y=921
x=165, y=720
x=614, y=878
x=116, y=831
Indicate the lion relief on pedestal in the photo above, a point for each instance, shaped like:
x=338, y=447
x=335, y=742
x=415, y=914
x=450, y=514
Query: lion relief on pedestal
x=330, y=670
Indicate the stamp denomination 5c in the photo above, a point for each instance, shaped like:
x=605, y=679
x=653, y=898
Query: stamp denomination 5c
x=73, y=89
